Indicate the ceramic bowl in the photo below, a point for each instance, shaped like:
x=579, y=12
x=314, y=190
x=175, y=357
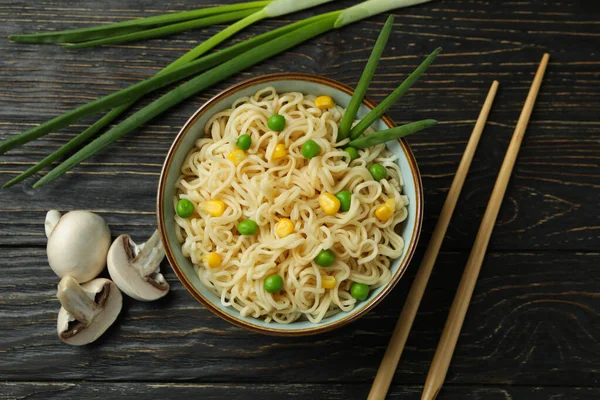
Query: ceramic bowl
x=193, y=129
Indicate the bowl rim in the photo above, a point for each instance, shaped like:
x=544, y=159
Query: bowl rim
x=318, y=328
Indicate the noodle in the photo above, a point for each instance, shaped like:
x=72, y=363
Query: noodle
x=266, y=190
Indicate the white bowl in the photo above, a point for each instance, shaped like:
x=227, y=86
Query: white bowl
x=194, y=128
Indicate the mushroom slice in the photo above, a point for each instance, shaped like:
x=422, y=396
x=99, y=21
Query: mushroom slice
x=87, y=310
x=136, y=269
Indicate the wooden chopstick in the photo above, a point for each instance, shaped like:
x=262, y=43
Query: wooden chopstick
x=409, y=311
x=443, y=354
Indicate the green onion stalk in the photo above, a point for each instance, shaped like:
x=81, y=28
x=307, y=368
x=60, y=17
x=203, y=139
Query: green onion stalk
x=365, y=80
x=160, y=80
x=190, y=88
x=130, y=26
x=166, y=30
x=391, y=134
x=271, y=9
x=244, y=55
x=390, y=100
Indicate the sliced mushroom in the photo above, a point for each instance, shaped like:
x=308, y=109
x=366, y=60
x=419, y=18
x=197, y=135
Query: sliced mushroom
x=87, y=310
x=77, y=244
x=136, y=269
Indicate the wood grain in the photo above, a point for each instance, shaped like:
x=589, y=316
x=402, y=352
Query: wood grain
x=533, y=321
x=150, y=391
x=533, y=330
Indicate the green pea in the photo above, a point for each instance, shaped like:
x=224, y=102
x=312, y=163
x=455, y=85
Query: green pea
x=359, y=291
x=378, y=172
x=243, y=142
x=276, y=122
x=325, y=258
x=185, y=208
x=310, y=149
x=352, y=152
x=345, y=198
x=273, y=283
x=247, y=227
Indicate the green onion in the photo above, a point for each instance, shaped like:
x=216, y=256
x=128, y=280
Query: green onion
x=70, y=146
x=365, y=80
x=188, y=89
x=369, y=8
x=135, y=91
x=198, y=65
x=273, y=9
x=391, y=134
x=144, y=87
x=382, y=107
x=166, y=30
x=291, y=33
x=134, y=25
x=282, y=7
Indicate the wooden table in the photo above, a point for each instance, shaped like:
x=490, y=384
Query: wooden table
x=533, y=330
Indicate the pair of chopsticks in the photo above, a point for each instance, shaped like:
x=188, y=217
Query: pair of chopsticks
x=456, y=317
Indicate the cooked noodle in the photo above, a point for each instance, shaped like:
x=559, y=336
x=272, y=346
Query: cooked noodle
x=266, y=190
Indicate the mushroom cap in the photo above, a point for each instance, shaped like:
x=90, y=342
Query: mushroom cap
x=78, y=245
x=136, y=271
x=107, y=295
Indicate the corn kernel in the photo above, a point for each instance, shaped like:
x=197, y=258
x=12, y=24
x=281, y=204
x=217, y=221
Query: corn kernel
x=324, y=102
x=284, y=227
x=329, y=203
x=328, y=281
x=236, y=157
x=213, y=260
x=386, y=211
x=216, y=208
x=279, y=152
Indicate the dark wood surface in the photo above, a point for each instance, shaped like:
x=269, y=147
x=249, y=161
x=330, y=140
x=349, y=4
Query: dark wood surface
x=533, y=329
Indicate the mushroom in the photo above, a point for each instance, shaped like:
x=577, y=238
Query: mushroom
x=136, y=269
x=77, y=244
x=87, y=310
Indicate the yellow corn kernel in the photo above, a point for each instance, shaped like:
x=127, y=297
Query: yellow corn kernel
x=216, y=208
x=284, y=227
x=279, y=152
x=386, y=211
x=324, y=102
x=213, y=260
x=329, y=203
x=236, y=157
x=328, y=282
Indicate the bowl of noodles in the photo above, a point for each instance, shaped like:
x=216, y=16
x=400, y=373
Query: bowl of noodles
x=275, y=226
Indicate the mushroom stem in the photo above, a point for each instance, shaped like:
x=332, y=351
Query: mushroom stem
x=77, y=301
x=52, y=218
x=150, y=255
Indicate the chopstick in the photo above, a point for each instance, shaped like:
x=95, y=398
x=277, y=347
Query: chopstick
x=443, y=354
x=409, y=311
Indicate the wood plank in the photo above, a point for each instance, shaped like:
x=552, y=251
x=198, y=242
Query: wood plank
x=84, y=390
x=532, y=331
x=533, y=321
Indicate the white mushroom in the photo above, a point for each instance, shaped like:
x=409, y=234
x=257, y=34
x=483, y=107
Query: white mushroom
x=77, y=244
x=87, y=310
x=136, y=269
